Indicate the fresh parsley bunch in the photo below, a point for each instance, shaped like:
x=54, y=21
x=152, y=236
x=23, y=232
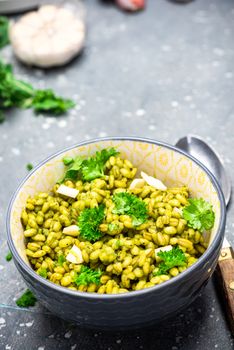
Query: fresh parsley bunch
x=90, y=168
x=89, y=221
x=17, y=93
x=129, y=204
x=199, y=214
x=87, y=276
x=171, y=258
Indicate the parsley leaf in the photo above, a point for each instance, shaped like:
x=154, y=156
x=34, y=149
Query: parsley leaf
x=68, y=160
x=8, y=257
x=47, y=101
x=61, y=260
x=4, y=26
x=27, y=299
x=89, y=221
x=129, y=204
x=73, y=170
x=171, y=258
x=199, y=214
x=88, y=169
x=29, y=166
x=42, y=272
x=93, y=167
x=87, y=276
x=17, y=93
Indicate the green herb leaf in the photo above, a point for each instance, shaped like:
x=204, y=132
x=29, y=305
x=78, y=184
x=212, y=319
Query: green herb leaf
x=42, y=272
x=29, y=166
x=73, y=170
x=89, y=221
x=88, y=169
x=68, y=160
x=27, y=299
x=171, y=258
x=47, y=101
x=17, y=93
x=8, y=257
x=129, y=204
x=2, y=117
x=93, y=167
x=4, y=26
x=61, y=260
x=87, y=276
x=199, y=214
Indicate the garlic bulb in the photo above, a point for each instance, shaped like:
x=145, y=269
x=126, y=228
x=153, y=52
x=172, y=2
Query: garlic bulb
x=131, y=5
x=51, y=36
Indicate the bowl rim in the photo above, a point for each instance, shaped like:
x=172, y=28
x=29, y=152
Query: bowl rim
x=95, y=296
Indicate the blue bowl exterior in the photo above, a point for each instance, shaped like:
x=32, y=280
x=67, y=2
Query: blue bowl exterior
x=133, y=309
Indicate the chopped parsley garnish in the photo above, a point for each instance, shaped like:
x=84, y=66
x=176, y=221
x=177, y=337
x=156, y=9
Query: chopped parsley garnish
x=89, y=221
x=68, y=160
x=42, y=272
x=73, y=171
x=93, y=167
x=29, y=166
x=27, y=299
x=87, y=276
x=90, y=168
x=171, y=258
x=129, y=204
x=4, y=26
x=8, y=257
x=17, y=93
x=199, y=214
x=61, y=260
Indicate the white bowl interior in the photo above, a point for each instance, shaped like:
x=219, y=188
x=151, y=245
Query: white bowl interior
x=171, y=167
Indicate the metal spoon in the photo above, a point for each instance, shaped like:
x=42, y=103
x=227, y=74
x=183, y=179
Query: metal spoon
x=199, y=149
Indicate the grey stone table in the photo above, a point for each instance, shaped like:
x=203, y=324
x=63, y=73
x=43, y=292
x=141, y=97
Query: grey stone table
x=161, y=73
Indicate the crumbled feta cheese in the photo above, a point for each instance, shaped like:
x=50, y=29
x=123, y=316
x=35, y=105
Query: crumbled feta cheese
x=152, y=181
x=72, y=230
x=137, y=183
x=67, y=191
x=75, y=255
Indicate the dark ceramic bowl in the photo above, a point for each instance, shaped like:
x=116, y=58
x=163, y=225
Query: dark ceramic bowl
x=137, y=308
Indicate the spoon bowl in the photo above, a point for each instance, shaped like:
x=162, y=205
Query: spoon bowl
x=199, y=149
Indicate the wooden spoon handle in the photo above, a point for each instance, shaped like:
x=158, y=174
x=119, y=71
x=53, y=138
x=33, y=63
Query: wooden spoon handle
x=225, y=269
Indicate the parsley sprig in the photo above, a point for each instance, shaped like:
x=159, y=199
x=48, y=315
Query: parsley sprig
x=199, y=214
x=8, y=257
x=171, y=258
x=87, y=276
x=4, y=26
x=89, y=221
x=129, y=204
x=17, y=93
x=27, y=299
x=90, y=168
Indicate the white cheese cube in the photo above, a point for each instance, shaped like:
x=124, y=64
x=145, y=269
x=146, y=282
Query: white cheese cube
x=75, y=255
x=67, y=191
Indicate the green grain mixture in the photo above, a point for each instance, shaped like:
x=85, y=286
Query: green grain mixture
x=118, y=229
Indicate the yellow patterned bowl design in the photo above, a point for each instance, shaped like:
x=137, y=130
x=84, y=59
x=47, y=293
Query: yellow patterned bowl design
x=166, y=163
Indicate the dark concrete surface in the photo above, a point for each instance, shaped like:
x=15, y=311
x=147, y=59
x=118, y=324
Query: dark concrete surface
x=162, y=73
